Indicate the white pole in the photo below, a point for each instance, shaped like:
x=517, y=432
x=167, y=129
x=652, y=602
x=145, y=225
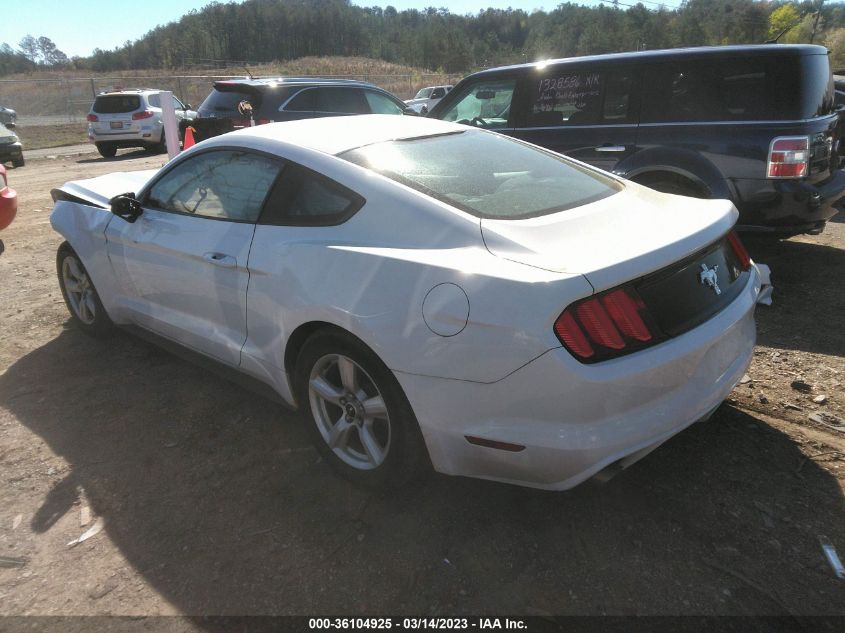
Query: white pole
x=171, y=125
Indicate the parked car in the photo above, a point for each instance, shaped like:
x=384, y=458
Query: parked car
x=8, y=117
x=8, y=203
x=234, y=104
x=10, y=147
x=131, y=118
x=753, y=124
x=425, y=291
x=427, y=98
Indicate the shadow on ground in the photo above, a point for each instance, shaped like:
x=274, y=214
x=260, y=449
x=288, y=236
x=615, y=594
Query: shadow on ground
x=133, y=153
x=215, y=497
x=808, y=303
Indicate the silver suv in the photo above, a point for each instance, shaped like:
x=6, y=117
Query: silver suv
x=130, y=118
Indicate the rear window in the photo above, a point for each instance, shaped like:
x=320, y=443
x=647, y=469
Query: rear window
x=486, y=175
x=116, y=104
x=749, y=89
x=226, y=102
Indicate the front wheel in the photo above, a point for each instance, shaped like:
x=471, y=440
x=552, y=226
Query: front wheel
x=80, y=295
x=18, y=162
x=356, y=413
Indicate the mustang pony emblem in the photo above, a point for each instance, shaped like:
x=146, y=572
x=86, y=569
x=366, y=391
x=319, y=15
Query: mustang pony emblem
x=707, y=277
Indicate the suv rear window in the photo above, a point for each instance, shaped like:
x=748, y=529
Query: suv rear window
x=754, y=88
x=226, y=102
x=115, y=104
x=486, y=175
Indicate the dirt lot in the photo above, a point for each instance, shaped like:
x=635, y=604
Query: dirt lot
x=214, y=503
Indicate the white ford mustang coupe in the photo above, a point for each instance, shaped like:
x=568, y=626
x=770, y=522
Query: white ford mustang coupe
x=425, y=292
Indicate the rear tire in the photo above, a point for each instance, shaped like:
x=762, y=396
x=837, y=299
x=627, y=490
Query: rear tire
x=80, y=295
x=18, y=162
x=356, y=412
x=107, y=150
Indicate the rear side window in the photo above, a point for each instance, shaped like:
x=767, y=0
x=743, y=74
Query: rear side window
x=303, y=102
x=438, y=93
x=227, y=185
x=341, y=101
x=115, y=104
x=486, y=175
x=738, y=89
x=304, y=198
x=154, y=101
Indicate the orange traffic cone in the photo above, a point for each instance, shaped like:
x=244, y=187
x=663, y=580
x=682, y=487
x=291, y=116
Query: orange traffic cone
x=189, y=138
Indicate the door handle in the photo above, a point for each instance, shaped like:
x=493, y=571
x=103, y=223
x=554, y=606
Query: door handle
x=610, y=148
x=220, y=259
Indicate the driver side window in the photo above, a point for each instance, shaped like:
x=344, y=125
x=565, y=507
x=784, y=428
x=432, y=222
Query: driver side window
x=484, y=104
x=227, y=185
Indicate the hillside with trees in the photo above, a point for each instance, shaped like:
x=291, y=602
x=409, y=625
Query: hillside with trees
x=258, y=31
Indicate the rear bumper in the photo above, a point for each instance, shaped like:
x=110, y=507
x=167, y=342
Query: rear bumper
x=788, y=206
x=574, y=420
x=145, y=135
x=11, y=151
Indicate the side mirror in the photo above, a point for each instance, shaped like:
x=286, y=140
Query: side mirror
x=126, y=206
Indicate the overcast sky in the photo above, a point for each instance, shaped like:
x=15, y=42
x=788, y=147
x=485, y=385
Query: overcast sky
x=77, y=27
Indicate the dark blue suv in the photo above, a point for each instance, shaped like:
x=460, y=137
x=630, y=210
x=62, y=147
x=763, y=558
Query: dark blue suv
x=754, y=124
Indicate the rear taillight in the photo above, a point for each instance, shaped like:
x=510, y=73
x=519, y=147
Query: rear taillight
x=145, y=114
x=610, y=324
x=739, y=250
x=789, y=157
x=93, y=118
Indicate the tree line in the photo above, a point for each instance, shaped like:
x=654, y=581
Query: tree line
x=280, y=30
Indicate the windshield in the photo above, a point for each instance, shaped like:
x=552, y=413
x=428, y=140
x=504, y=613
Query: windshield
x=425, y=93
x=487, y=175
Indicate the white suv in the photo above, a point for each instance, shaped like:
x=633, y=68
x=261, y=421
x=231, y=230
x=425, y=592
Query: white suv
x=427, y=98
x=130, y=118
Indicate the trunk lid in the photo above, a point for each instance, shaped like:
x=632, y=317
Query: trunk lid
x=617, y=239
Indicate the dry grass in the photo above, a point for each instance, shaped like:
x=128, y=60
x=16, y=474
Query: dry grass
x=70, y=93
x=44, y=136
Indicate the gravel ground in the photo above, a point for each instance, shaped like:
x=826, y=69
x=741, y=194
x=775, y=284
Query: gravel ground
x=211, y=500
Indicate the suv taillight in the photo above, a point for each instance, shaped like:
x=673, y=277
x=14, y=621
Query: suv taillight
x=789, y=157
x=145, y=114
x=93, y=118
x=609, y=324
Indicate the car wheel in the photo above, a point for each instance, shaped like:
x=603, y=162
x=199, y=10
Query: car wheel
x=18, y=162
x=356, y=412
x=80, y=295
x=107, y=150
x=424, y=110
x=162, y=144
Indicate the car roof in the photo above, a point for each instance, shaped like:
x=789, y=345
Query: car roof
x=272, y=82
x=131, y=91
x=335, y=135
x=669, y=54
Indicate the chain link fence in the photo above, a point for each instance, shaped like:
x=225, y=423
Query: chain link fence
x=57, y=101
